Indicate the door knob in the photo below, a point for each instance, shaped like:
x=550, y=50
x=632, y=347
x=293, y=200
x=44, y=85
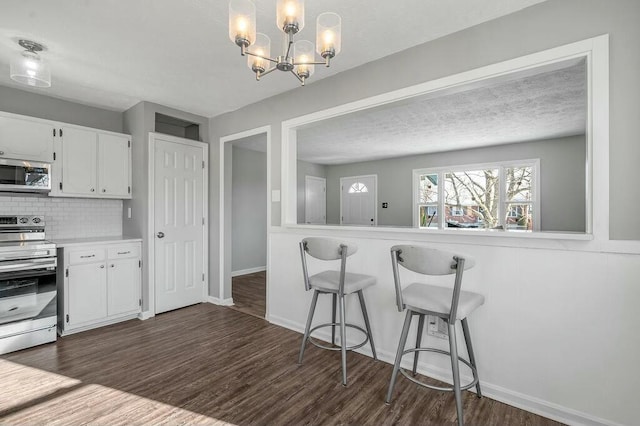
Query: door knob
x=160, y=234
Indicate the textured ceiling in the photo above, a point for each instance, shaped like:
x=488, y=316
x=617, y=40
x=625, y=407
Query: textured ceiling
x=516, y=108
x=114, y=53
x=255, y=143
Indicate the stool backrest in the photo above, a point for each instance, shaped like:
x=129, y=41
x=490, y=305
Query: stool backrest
x=428, y=261
x=325, y=249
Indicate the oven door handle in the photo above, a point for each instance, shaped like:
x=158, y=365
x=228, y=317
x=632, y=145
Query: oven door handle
x=27, y=254
x=27, y=264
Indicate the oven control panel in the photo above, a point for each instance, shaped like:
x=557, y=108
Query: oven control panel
x=22, y=221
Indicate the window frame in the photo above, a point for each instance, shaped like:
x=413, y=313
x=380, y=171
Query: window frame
x=441, y=171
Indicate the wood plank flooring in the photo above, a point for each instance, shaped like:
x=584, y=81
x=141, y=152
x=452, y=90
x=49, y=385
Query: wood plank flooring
x=208, y=364
x=250, y=294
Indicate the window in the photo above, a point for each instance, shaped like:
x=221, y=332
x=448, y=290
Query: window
x=358, y=187
x=498, y=195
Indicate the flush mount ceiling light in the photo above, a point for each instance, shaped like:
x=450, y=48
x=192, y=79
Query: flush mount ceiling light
x=29, y=68
x=289, y=19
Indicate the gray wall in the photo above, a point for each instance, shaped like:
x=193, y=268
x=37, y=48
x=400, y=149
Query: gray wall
x=139, y=120
x=249, y=209
x=307, y=169
x=562, y=180
x=48, y=108
x=539, y=27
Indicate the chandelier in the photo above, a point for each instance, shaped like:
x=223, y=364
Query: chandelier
x=290, y=19
x=29, y=68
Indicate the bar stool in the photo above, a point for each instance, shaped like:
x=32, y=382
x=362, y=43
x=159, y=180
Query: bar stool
x=338, y=284
x=450, y=304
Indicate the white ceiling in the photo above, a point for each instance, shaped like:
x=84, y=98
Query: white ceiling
x=537, y=104
x=114, y=53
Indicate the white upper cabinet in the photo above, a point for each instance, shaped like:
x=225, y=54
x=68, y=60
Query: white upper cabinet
x=92, y=164
x=85, y=162
x=79, y=153
x=114, y=168
x=26, y=139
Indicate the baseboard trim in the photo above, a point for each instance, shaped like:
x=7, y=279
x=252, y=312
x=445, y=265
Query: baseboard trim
x=145, y=315
x=220, y=302
x=248, y=271
x=510, y=397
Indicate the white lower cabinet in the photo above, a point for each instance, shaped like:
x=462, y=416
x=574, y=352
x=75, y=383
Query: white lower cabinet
x=98, y=285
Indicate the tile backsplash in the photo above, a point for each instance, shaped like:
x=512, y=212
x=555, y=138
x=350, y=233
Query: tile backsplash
x=68, y=217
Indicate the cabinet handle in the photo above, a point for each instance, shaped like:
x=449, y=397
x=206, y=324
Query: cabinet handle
x=124, y=252
x=88, y=256
x=93, y=190
x=1, y=152
x=112, y=265
x=101, y=266
x=104, y=190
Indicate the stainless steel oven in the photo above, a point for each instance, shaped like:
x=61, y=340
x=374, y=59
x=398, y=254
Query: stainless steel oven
x=24, y=176
x=27, y=284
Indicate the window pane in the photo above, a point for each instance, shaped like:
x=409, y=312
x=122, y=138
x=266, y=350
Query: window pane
x=358, y=187
x=472, y=198
x=428, y=216
x=518, y=184
x=428, y=189
x=519, y=216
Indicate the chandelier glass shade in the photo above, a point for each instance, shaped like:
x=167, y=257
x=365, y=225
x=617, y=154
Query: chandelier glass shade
x=28, y=67
x=297, y=57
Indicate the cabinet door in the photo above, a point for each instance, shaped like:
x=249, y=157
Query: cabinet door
x=123, y=286
x=26, y=140
x=114, y=168
x=87, y=293
x=79, y=154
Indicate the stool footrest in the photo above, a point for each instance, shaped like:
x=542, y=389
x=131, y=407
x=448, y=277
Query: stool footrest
x=313, y=341
x=440, y=388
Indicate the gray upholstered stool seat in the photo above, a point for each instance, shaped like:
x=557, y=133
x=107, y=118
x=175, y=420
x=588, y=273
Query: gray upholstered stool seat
x=338, y=284
x=449, y=303
x=329, y=281
x=437, y=300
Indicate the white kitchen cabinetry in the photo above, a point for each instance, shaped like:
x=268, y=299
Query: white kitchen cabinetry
x=98, y=284
x=25, y=138
x=92, y=164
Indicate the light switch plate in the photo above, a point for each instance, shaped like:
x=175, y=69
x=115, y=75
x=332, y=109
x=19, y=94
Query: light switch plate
x=275, y=196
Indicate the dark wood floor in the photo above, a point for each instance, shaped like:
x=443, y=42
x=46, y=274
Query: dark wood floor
x=249, y=293
x=212, y=365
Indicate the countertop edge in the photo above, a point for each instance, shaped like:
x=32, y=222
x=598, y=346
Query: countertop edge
x=76, y=242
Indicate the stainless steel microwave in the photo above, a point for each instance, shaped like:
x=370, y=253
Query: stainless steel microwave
x=24, y=176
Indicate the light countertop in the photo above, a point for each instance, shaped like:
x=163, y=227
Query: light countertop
x=73, y=242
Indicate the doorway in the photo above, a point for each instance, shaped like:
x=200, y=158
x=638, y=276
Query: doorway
x=245, y=218
x=358, y=200
x=177, y=217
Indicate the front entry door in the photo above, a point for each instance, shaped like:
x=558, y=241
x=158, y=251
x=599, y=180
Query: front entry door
x=358, y=200
x=179, y=224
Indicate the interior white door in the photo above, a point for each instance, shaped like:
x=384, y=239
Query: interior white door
x=179, y=225
x=315, y=200
x=358, y=200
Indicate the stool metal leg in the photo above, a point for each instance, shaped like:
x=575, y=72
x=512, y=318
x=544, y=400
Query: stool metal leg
x=312, y=309
x=343, y=340
x=334, y=297
x=418, y=342
x=396, y=365
x=453, y=348
x=472, y=358
x=363, y=306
